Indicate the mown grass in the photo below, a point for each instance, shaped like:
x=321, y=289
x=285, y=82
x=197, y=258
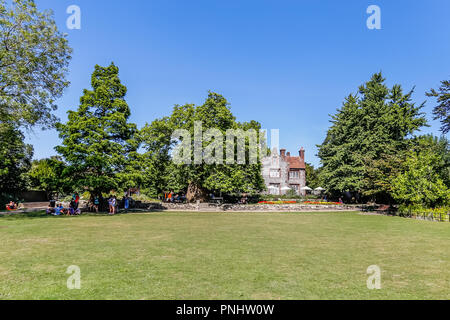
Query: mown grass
x=223, y=256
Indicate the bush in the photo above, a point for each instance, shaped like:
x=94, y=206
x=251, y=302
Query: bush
x=144, y=198
x=420, y=211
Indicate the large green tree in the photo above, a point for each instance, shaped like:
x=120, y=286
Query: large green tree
x=371, y=125
x=34, y=57
x=98, y=141
x=442, y=110
x=199, y=178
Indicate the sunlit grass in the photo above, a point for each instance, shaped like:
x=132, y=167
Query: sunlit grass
x=223, y=256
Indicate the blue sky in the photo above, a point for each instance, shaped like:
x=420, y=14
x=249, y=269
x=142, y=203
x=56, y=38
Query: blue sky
x=286, y=64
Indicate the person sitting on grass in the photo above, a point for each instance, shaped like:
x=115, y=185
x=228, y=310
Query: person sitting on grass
x=73, y=206
x=11, y=206
x=59, y=210
x=50, y=209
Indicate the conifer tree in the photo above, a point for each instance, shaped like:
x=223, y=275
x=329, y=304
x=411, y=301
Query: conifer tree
x=98, y=142
x=372, y=125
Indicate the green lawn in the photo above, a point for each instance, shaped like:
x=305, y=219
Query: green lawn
x=224, y=256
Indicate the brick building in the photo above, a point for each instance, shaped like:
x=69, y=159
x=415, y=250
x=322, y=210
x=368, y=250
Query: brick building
x=282, y=171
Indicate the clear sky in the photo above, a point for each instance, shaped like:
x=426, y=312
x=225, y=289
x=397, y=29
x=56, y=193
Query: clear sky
x=286, y=64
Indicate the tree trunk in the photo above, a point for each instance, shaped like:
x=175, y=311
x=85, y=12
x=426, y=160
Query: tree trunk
x=195, y=193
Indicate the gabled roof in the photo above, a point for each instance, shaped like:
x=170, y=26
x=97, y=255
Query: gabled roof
x=296, y=163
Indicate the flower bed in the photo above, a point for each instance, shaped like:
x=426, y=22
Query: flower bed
x=306, y=203
x=324, y=203
x=277, y=202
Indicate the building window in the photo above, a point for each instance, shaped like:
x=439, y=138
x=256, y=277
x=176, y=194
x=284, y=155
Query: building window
x=274, y=189
x=274, y=173
x=295, y=187
x=294, y=174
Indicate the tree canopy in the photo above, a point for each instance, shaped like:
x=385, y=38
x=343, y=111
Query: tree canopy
x=425, y=178
x=47, y=175
x=371, y=125
x=98, y=142
x=203, y=177
x=34, y=57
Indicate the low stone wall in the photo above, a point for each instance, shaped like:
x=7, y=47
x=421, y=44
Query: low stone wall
x=209, y=207
x=254, y=208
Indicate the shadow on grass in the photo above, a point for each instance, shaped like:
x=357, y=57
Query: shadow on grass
x=42, y=215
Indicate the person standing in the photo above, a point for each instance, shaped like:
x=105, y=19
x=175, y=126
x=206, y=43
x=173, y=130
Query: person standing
x=114, y=205
x=76, y=199
x=111, y=207
x=126, y=203
x=96, y=204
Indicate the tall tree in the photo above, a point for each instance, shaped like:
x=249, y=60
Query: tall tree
x=373, y=124
x=442, y=110
x=200, y=178
x=34, y=57
x=98, y=142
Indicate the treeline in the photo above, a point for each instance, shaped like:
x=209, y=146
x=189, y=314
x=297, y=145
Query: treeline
x=373, y=152
x=102, y=151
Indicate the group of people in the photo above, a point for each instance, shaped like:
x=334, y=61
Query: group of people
x=57, y=209
x=11, y=206
x=174, y=198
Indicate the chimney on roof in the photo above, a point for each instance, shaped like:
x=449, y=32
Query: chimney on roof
x=288, y=154
x=302, y=154
x=283, y=153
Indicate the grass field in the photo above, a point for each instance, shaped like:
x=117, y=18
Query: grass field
x=224, y=256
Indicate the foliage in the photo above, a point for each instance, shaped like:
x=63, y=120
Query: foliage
x=98, y=142
x=15, y=159
x=47, y=175
x=423, y=182
x=442, y=110
x=34, y=57
x=197, y=179
x=313, y=176
x=371, y=126
x=381, y=171
x=418, y=211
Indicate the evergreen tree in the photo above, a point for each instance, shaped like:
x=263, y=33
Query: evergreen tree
x=98, y=142
x=372, y=125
